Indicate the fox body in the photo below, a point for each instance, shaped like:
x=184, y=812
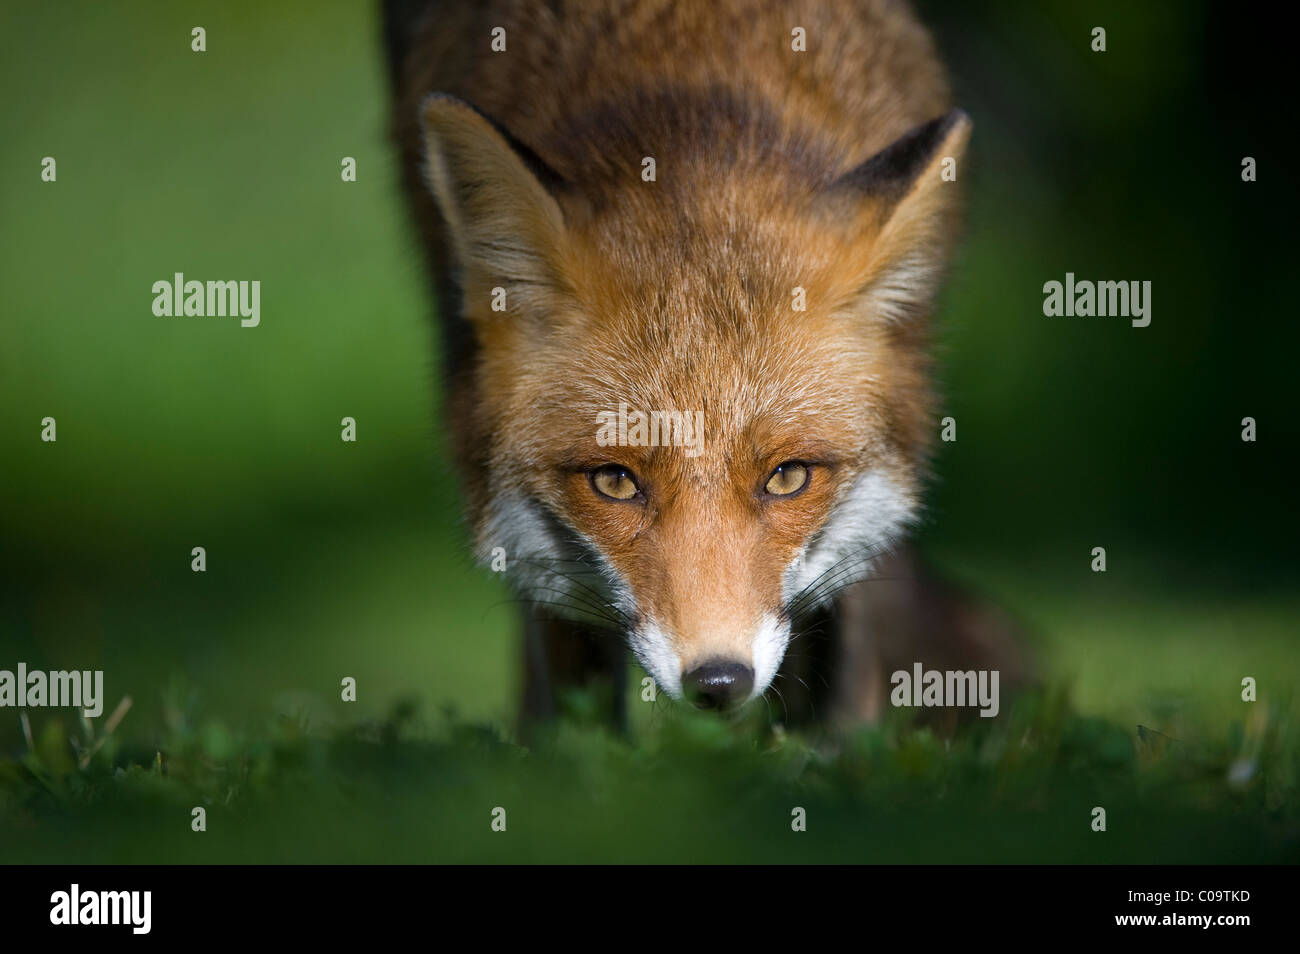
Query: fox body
x=731, y=211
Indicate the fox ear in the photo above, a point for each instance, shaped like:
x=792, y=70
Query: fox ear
x=495, y=194
x=906, y=203
x=901, y=169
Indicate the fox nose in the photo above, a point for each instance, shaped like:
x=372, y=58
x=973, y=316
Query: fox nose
x=718, y=684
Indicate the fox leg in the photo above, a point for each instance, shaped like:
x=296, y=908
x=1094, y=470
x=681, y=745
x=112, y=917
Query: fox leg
x=561, y=656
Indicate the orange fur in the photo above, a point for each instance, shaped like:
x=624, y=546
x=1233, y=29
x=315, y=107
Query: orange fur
x=677, y=293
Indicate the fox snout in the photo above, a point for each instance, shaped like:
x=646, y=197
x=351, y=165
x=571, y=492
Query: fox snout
x=718, y=684
x=709, y=669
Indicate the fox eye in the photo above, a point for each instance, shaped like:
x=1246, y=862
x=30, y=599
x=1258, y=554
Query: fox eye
x=614, y=482
x=790, y=478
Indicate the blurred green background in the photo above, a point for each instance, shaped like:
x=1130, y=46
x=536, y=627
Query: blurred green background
x=329, y=559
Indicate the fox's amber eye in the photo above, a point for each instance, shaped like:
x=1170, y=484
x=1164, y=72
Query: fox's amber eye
x=789, y=478
x=614, y=482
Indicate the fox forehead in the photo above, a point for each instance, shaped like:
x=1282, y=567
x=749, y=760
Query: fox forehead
x=793, y=392
x=727, y=254
x=764, y=342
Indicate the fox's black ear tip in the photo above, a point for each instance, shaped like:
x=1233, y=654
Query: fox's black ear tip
x=439, y=97
x=443, y=114
x=894, y=169
x=953, y=127
x=435, y=101
x=957, y=118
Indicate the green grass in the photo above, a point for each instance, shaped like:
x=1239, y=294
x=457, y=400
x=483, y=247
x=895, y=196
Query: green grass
x=691, y=788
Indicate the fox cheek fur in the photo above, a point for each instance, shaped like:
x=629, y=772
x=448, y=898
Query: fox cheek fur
x=774, y=277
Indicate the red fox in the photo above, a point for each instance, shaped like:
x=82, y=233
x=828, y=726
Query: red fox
x=685, y=253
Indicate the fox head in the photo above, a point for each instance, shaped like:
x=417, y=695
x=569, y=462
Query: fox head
x=699, y=402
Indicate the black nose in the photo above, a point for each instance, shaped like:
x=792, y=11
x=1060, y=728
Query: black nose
x=718, y=684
